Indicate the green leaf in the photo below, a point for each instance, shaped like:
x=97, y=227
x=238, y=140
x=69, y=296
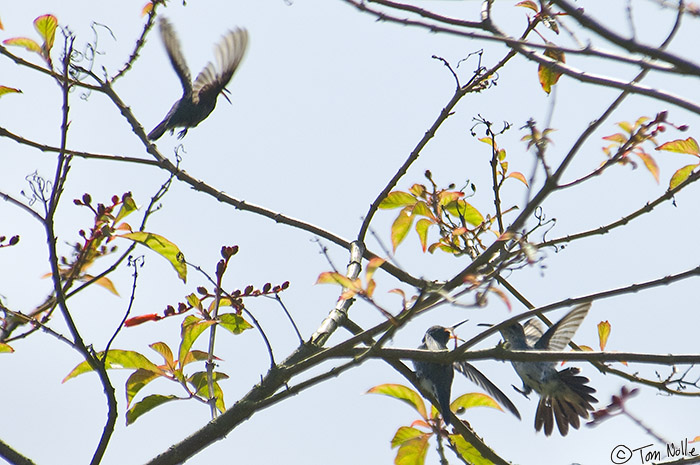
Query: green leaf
x=405, y=433
x=236, y=324
x=474, y=399
x=403, y=393
x=196, y=356
x=467, y=451
x=115, y=360
x=146, y=405
x=400, y=227
x=137, y=381
x=201, y=383
x=681, y=175
x=413, y=451
x=163, y=247
x=460, y=209
x=192, y=328
x=397, y=199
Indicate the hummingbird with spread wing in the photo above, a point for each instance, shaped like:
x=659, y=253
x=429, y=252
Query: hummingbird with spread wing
x=199, y=97
x=437, y=377
x=565, y=396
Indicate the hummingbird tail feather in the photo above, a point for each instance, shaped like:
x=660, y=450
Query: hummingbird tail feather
x=566, y=406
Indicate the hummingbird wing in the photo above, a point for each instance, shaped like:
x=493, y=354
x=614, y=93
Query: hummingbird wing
x=481, y=380
x=229, y=53
x=559, y=335
x=177, y=59
x=533, y=331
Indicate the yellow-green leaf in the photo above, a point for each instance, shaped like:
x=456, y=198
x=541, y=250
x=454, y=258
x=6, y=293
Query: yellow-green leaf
x=413, y=451
x=24, y=42
x=191, y=329
x=333, y=277
x=689, y=146
x=462, y=209
x=549, y=77
x=5, y=349
x=127, y=207
x=194, y=301
x=146, y=405
x=137, y=381
x=397, y=199
x=474, y=399
x=681, y=175
x=400, y=227
x=8, y=90
x=422, y=209
x=46, y=27
x=467, y=451
x=163, y=247
x=165, y=352
x=528, y=4
x=603, y=333
x=236, y=324
x=422, y=226
x=405, y=433
x=201, y=383
x=116, y=359
x=403, y=393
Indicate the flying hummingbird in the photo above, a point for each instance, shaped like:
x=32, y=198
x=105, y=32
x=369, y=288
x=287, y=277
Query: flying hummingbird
x=437, y=377
x=199, y=97
x=564, y=395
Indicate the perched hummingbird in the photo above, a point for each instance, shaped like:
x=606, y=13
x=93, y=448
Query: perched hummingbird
x=199, y=97
x=437, y=377
x=564, y=396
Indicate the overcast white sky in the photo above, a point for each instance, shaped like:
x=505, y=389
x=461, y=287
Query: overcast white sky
x=326, y=105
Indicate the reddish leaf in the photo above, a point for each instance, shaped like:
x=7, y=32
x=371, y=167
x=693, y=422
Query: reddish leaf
x=519, y=176
x=649, y=163
x=137, y=320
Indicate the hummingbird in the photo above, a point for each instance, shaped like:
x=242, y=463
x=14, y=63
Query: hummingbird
x=199, y=97
x=437, y=377
x=564, y=395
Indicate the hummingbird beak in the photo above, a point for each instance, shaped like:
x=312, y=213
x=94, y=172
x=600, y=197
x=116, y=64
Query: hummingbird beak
x=452, y=331
x=488, y=325
x=458, y=324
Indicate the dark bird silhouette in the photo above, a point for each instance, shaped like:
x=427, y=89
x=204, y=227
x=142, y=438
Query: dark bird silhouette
x=564, y=395
x=437, y=377
x=199, y=97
